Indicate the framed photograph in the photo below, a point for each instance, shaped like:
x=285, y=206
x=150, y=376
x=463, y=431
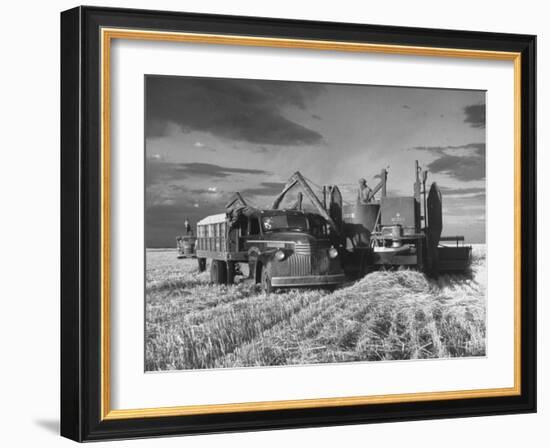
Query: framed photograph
x=277, y=224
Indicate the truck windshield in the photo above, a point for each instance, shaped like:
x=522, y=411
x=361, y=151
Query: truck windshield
x=284, y=222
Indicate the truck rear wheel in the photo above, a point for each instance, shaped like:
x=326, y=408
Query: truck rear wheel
x=230, y=277
x=202, y=264
x=266, y=279
x=218, y=272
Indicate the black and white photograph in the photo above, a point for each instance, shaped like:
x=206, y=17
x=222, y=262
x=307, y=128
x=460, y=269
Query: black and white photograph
x=284, y=221
x=295, y=223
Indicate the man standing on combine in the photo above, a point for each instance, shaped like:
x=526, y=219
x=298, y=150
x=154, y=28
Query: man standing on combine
x=365, y=191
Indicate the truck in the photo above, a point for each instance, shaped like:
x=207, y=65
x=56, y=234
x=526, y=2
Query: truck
x=282, y=247
x=185, y=245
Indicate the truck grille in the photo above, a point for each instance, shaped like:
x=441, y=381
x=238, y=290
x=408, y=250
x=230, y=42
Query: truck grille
x=300, y=265
x=308, y=260
x=321, y=263
x=302, y=249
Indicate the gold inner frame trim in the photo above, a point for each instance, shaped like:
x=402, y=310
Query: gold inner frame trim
x=107, y=35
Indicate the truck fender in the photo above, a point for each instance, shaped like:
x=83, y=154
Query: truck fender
x=254, y=265
x=258, y=271
x=262, y=260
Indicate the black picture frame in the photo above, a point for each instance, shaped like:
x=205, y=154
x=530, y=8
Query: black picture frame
x=81, y=224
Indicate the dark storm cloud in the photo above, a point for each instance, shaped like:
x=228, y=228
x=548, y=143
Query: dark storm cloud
x=464, y=201
x=203, y=191
x=461, y=191
x=244, y=110
x=475, y=115
x=463, y=167
x=210, y=170
x=265, y=189
x=159, y=170
x=439, y=149
x=178, y=188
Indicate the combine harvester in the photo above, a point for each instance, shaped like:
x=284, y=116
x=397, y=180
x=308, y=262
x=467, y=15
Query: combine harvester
x=405, y=231
x=292, y=247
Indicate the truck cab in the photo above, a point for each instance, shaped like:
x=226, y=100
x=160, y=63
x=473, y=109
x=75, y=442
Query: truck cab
x=283, y=248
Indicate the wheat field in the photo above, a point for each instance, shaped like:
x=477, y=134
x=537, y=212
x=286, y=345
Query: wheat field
x=387, y=315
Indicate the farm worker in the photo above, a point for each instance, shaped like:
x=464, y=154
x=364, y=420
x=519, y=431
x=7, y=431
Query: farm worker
x=188, y=227
x=364, y=191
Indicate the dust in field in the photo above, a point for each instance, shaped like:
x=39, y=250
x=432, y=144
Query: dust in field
x=191, y=324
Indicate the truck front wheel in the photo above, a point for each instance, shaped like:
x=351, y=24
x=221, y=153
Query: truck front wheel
x=218, y=272
x=266, y=279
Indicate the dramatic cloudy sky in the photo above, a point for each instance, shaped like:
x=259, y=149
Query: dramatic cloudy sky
x=207, y=138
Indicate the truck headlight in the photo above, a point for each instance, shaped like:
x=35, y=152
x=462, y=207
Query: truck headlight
x=279, y=255
x=333, y=252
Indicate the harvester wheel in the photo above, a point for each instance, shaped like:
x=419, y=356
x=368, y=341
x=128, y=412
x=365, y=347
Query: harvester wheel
x=266, y=279
x=202, y=264
x=218, y=272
